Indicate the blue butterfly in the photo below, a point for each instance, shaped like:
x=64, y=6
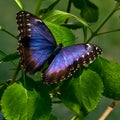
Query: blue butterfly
x=37, y=46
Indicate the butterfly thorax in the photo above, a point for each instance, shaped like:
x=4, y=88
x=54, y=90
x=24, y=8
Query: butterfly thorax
x=55, y=52
x=57, y=49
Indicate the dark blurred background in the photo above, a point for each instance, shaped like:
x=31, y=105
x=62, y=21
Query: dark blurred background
x=110, y=44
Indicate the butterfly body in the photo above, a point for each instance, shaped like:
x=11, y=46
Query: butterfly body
x=37, y=45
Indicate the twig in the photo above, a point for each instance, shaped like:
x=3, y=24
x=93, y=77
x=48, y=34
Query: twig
x=102, y=24
x=108, y=110
x=16, y=73
x=68, y=9
x=38, y=7
x=4, y=30
x=115, y=30
x=57, y=102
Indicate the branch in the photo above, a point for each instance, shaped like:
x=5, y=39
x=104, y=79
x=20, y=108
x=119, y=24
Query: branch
x=57, y=102
x=104, y=21
x=108, y=110
x=38, y=7
x=68, y=9
x=16, y=73
x=115, y=30
x=4, y=30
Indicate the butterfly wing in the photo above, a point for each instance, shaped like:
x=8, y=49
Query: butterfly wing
x=36, y=42
x=68, y=60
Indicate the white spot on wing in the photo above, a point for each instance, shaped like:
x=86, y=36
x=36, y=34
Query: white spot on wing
x=27, y=14
x=78, y=66
x=38, y=20
x=83, y=56
x=20, y=15
x=22, y=12
x=27, y=20
x=88, y=45
x=29, y=30
x=21, y=31
x=87, y=53
x=20, y=25
x=96, y=48
x=29, y=35
x=28, y=24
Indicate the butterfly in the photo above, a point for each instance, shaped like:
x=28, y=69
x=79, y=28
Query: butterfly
x=37, y=46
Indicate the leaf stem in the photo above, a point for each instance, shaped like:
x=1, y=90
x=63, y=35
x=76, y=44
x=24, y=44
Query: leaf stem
x=57, y=102
x=16, y=73
x=38, y=7
x=2, y=53
x=69, y=6
x=85, y=33
x=102, y=24
x=77, y=118
x=4, y=30
x=68, y=9
x=108, y=110
x=115, y=30
x=19, y=3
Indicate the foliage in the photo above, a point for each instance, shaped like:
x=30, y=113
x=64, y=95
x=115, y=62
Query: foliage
x=25, y=97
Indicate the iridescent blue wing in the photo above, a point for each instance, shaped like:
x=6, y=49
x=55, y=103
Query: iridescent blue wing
x=68, y=60
x=36, y=42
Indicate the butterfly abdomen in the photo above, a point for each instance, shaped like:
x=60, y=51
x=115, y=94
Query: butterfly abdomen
x=55, y=52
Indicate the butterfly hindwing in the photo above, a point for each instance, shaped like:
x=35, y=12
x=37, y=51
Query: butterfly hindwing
x=36, y=42
x=68, y=60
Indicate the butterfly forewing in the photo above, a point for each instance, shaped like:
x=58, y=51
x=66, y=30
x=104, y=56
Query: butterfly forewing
x=69, y=60
x=36, y=42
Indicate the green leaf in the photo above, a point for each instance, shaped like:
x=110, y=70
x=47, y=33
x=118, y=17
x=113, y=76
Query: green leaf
x=109, y=72
x=3, y=86
x=89, y=11
x=49, y=8
x=56, y=16
x=19, y=3
x=10, y=57
x=0, y=27
x=59, y=17
x=2, y=53
x=52, y=117
x=78, y=3
x=62, y=34
x=73, y=26
x=82, y=94
x=117, y=0
x=24, y=102
x=9, y=33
